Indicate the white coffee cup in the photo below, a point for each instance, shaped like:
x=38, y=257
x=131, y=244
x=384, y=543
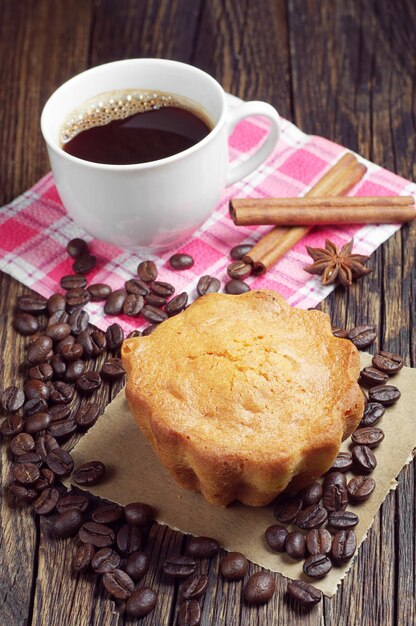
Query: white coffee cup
x=156, y=205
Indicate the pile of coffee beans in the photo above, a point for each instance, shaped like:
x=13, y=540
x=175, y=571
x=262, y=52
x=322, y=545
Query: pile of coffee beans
x=322, y=529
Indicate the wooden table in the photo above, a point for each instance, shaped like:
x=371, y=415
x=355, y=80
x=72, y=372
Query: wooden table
x=342, y=69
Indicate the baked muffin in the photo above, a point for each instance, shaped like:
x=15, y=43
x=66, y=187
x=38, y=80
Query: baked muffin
x=244, y=396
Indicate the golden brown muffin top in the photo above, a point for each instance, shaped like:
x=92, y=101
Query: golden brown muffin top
x=246, y=375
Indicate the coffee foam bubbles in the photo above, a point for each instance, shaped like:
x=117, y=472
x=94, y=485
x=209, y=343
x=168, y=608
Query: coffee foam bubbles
x=116, y=105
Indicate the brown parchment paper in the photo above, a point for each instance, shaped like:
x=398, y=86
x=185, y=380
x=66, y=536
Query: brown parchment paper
x=135, y=474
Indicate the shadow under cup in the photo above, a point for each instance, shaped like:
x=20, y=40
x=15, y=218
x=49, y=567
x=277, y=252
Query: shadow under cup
x=149, y=206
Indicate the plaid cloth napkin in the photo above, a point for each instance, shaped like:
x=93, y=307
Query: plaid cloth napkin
x=34, y=228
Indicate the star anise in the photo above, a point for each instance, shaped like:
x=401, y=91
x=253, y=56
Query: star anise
x=337, y=266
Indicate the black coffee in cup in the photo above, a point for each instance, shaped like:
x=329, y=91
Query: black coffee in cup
x=133, y=126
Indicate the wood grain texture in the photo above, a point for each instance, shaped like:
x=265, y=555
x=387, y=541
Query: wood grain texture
x=344, y=70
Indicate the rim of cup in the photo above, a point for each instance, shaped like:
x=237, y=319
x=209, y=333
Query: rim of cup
x=53, y=145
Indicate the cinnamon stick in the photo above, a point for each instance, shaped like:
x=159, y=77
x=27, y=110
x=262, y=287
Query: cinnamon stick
x=322, y=211
x=336, y=182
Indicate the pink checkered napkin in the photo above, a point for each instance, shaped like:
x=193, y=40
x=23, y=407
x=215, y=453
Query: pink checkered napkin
x=34, y=228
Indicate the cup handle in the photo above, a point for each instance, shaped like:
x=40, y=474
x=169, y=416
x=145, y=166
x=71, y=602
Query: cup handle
x=240, y=170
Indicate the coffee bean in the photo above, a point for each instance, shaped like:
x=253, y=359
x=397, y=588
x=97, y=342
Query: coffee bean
x=43, y=372
x=147, y=271
x=195, y=587
x=312, y=494
x=260, y=588
x=138, y=514
x=370, y=376
x=181, y=261
x=360, y=488
x=118, y=584
x=129, y=539
x=46, y=502
x=238, y=270
x=238, y=252
x=362, y=336
x=388, y=362
x=25, y=473
x=344, y=545
x=334, y=479
x=76, y=298
x=207, y=284
x=287, y=509
x=73, y=281
x=384, y=394
x=154, y=300
x=335, y=498
x=62, y=429
x=78, y=321
x=105, y=560
x=32, y=304
x=37, y=422
x=84, y=264
x=275, y=537
x=189, y=613
x=25, y=324
x=369, y=436
x=60, y=462
x=99, y=342
x=295, y=545
x=107, y=513
x=58, y=366
x=89, y=473
x=58, y=331
x=312, y=517
x=318, y=541
x=137, y=287
x=234, y=566
x=22, y=443
x=373, y=412
x=77, y=247
x=61, y=393
x=36, y=405
x=133, y=304
x=99, y=291
x=141, y=602
x=56, y=303
x=57, y=317
x=364, y=459
x=40, y=350
x=67, y=341
x=59, y=412
x=99, y=535
x=317, y=566
x=153, y=315
x=89, y=381
x=83, y=557
x=162, y=289
x=236, y=287
x=46, y=479
x=114, y=336
x=12, y=399
x=343, y=520
x=34, y=388
x=177, y=304
x=342, y=463
x=24, y=494
x=112, y=369
x=149, y=329
x=87, y=414
x=115, y=302
x=85, y=340
x=72, y=503
x=72, y=352
x=45, y=444
x=304, y=593
x=134, y=333
x=30, y=457
x=179, y=566
x=12, y=425
x=137, y=565
x=67, y=524
x=74, y=370
x=340, y=333
x=202, y=547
